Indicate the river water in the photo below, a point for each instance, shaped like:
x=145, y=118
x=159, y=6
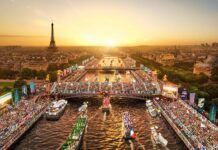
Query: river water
x=105, y=135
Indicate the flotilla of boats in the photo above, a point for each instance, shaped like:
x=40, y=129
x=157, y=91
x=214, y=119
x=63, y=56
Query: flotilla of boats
x=56, y=109
x=74, y=140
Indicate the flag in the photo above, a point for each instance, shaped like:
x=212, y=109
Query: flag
x=141, y=66
x=201, y=104
x=191, y=98
x=47, y=77
x=48, y=87
x=65, y=72
x=184, y=94
x=132, y=134
x=32, y=87
x=59, y=72
x=212, y=115
x=24, y=90
x=106, y=102
x=16, y=96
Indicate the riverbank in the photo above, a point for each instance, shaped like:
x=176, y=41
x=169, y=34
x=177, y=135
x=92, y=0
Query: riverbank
x=19, y=119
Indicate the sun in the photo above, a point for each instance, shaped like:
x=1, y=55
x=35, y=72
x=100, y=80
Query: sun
x=110, y=43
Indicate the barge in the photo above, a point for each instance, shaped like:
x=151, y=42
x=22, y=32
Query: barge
x=128, y=132
x=56, y=109
x=75, y=138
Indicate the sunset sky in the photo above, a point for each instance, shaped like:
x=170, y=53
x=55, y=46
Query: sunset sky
x=108, y=22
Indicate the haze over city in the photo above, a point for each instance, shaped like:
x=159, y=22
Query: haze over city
x=109, y=74
x=108, y=23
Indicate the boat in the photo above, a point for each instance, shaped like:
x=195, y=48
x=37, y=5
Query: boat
x=106, y=104
x=83, y=108
x=152, y=111
x=127, y=125
x=75, y=138
x=157, y=137
x=148, y=103
x=56, y=109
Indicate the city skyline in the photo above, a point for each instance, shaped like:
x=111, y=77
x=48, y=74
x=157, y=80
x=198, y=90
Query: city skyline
x=111, y=23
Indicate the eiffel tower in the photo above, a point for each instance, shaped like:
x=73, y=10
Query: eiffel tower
x=52, y=47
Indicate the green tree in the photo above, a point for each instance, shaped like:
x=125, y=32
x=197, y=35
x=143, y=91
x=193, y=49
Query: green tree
x=26, y=73
x=41, y=74
x=8, y=74
x=53, y=76
x=202, y=78
x=211, y=89
x=19, y=83
x=52, y=67
x=214, y=74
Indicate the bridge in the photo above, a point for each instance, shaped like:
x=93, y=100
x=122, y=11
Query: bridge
x=112, y=68
x=138, y=90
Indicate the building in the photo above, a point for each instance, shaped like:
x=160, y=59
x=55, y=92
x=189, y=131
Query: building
x=166, y=59
x=35, y=62
x=35, y=65
x=206, y=66
x=201, y=67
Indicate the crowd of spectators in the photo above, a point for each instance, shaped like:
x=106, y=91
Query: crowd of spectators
x=129, y=62
x=96, y=87
x=75, y=75
x=92, y=64
x=19, y=116
x=143, y=75
x=144, y=81
x=200, y=131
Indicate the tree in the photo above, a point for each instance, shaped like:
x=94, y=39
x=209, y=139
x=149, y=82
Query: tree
x=7, y=74
x=19, y=83
x=41, y=74
x=26, y=73
x=53, y=76
x=52, y=67
x=202, y=78
x=214, y=74
x=211, y=89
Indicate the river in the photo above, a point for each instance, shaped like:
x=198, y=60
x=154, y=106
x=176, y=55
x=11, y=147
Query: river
x=105, y=135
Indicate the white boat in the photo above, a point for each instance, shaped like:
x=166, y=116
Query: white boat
x=157, y=137
x=148, y=103
x=162, y=140
x=152, y=111
x=56, y=109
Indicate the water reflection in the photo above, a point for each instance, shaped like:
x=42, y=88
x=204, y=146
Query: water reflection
x=100, y=134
